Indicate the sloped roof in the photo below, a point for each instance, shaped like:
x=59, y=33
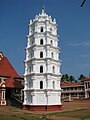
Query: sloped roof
x=6, y=69
x=71, y=84
x=12, y=83
x=87, y=78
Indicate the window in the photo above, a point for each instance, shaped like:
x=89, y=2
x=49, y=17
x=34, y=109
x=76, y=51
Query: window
x=88, y=84
x=53, y=69
x=50, y=29
x=41, y=54
x=41, y=84
x=41, y=29
x=31, y=55
x=32, y=68
x=52, y=54
x=29, y=84
x=29, y=69
x=32, y=41
x=53, y=85
x=41, y=42
x=51, y=42
x=41, y=69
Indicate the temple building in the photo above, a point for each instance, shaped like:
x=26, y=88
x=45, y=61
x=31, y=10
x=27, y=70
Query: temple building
x=42, y=75
x=10, y=82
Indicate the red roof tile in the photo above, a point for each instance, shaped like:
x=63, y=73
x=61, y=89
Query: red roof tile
x=87, y=78
x=12, y=83
x=6, y=69
x=71, y=84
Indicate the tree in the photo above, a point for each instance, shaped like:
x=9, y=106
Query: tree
x=67, y=78
x=81, y=77
x=72, y=79
x=63, y=79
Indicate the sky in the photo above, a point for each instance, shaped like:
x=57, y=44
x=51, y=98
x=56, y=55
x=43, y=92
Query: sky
x=73, y=29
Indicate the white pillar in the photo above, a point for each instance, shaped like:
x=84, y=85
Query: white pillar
x=3, y=101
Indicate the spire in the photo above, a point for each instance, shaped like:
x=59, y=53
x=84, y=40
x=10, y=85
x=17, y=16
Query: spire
x=43, y=8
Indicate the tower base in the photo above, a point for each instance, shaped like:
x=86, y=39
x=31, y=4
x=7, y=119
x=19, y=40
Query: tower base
x=42, y=107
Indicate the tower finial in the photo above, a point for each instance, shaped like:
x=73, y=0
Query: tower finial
x=43, y=8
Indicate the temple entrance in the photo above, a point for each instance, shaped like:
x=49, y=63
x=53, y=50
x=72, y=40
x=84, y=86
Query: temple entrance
x=8, y=93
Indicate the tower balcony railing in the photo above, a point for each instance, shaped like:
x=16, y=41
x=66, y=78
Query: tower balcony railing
x=30, y=46
x=43, y=90
x=29, y=73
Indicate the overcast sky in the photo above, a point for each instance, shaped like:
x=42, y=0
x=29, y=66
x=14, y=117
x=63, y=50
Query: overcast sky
x=73, y=29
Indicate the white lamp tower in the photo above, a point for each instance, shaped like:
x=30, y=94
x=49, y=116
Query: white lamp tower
x=42, y=75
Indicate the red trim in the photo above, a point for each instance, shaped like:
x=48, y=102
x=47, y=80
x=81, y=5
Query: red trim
x=42, y=107
x=87, y=78
x=71, y=84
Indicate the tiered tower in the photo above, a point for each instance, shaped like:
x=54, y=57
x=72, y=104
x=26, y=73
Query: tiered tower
x=42, y=76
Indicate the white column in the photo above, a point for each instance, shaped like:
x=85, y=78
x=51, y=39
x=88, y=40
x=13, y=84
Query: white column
x=3, y=101
x=3, y=95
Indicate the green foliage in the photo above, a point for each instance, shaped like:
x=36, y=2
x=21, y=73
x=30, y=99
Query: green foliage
x=81, y=78
x=82, y=114
x=6, y=117
x=20, y=117
x=83, y=117
x=67, y=78
x=71, y=78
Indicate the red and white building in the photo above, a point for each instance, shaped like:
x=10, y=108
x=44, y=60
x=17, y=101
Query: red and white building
x=10, y=81
x=76, y=90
